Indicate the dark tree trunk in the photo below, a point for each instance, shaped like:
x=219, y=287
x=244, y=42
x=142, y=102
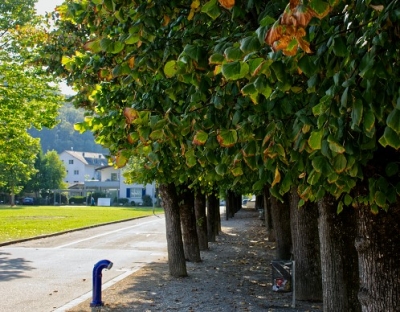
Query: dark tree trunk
x=230, y=204
x=378, y=247
x=188, y=222
x=267, y=216
x=176, y=255
x=339, y=265
x=305, y=239
x=212, y=217
x=201, y=220
x=280, y=213
x=259, y=202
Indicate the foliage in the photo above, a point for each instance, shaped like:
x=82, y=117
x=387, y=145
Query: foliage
x=200, y=96
x=28, y=97
x=147, y=201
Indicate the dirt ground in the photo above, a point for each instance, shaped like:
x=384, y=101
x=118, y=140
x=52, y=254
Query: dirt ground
x=235, y=275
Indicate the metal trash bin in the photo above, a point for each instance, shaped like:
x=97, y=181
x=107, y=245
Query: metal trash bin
x=282, y=280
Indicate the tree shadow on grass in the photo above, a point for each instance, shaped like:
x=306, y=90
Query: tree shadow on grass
x=11, y=269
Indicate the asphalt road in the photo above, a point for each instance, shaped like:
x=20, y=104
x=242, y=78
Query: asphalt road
x=55, y=273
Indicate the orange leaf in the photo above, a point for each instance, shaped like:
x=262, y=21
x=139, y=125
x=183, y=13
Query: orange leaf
x=130, y=114
x=227, y=4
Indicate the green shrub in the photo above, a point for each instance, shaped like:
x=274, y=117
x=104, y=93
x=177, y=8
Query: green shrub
x=147, y=201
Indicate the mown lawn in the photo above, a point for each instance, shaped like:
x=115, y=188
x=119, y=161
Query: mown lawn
x=28, y=221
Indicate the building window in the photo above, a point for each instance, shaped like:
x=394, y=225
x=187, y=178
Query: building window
x=114, y=176
x=76, y=172
x=136, y=192
x=71, y=161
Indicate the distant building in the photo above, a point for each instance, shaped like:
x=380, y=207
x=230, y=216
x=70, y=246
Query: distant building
x=90, y=172
x=81, y=166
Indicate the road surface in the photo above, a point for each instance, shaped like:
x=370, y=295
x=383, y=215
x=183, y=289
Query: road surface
x=55, y=273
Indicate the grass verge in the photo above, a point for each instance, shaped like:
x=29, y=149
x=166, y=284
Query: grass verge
x=21, y=222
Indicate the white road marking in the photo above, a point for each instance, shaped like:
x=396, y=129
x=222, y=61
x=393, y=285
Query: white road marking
x=104, y=234
x=86, y=296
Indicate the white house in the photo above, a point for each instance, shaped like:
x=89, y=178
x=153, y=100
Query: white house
x=81, y=166
x=90, y=172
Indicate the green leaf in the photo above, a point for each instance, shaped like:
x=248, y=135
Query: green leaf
x=336, y=147
x=221, y=169
x=348, y=200
x=237, y=171
x=393, y=120
x=212, y=9
x=279, y=70
x=339, y=47
x=321, y=8
x=216, y=58
x=190, y=158
x=339, y=208
x=356, y=113
x=233, y=54
x=170, y=69
x=307, y=66
x=315, y=139
x=250, y=44
x=93, y=46
x=200, y=138
x=313, y=177
x=380, y=199
x=339, y=163
x=369, y=121
x=227, y=138
x=235, y=70
x=391, y=169
x=390, y=138
x=343, y=98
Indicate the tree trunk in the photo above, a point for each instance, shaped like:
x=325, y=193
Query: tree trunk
x=212, y=217
x=305, y=239
x=188, y=222
x=176, y=255
x=378, y=247
x=201, y=220
x=339, y=265
x=280, y=213
x=267, y=216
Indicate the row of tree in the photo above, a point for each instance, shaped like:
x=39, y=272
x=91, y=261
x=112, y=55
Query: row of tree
x=297, y=101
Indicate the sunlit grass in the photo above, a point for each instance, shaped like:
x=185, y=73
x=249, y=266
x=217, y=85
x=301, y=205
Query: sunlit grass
x=28, y=221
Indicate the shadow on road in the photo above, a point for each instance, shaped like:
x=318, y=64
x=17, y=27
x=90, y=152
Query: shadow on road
x=11, y=269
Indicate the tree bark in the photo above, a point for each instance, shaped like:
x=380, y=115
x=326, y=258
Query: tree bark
x=339, y=263
x=201, y=220
x=212, y=217
x=305, y=239
x=176, y=255
x=188, y=222
x=280, y=213
x=267, y=216
x=378, y=247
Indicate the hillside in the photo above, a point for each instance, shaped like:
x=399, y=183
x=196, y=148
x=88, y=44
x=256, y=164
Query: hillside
x=64, y=137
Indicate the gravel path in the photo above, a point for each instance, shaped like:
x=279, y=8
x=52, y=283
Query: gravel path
x=235, y=275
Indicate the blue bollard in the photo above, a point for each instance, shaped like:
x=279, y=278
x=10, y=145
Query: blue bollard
x=98, y=267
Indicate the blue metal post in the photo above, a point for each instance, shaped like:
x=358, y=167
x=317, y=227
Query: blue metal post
x=98, y=267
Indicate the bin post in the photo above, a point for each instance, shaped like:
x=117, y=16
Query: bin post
x=98, y=267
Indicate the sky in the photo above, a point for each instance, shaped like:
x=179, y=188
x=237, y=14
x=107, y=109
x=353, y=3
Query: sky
x=43, y=6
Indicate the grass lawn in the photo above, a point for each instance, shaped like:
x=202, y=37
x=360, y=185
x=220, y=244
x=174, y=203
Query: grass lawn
x=29, y=221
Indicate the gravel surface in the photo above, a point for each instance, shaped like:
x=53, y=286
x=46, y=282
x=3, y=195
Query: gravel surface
x=235, y=275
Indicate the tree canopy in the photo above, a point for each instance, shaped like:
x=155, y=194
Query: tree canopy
x=297, y=94
x=28, y=95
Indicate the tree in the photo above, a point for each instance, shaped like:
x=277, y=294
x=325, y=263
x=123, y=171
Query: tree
x=27, y=96
x=304, y=96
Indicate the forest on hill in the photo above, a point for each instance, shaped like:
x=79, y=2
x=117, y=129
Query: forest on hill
x=64, y=137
